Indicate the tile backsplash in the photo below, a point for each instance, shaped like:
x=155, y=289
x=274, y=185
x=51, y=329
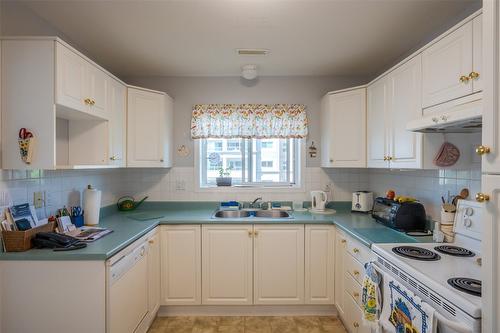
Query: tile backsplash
x=178, y=184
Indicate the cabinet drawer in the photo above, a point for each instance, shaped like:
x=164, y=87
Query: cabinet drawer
x=358, y=250
x=353, y=288
x=354, y=318
x=353, y=267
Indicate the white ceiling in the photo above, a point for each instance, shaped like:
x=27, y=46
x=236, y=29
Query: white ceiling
x=199, y=38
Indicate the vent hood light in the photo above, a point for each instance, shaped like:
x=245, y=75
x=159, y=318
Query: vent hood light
x=252, y=52
x=249, y=72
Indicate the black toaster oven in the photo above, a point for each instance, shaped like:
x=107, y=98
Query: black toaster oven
x=405, y=216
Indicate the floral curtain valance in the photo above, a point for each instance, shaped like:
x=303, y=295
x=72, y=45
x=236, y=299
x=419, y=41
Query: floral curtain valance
x=248, y=121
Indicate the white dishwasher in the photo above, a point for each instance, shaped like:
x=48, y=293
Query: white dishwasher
x=127, y=290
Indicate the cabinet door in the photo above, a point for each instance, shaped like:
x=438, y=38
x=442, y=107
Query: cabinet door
x=354, y=316
x=117, y=97
x=376, y=124
x=326, y=132
x=70, y=79
x=154, y=273
x=477, y=52
x=490, y=185
x=491, y=76
x=279, y=264
x=227, y=264
x=168, y=132
x=96, y=81
x=181, y=265
x=340, y=248
x=319, y=264
x=405, y=100
x=443, y=63
x=347, y=130
x=145, y=128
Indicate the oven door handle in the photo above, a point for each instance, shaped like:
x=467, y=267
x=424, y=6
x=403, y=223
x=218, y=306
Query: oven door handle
x=451, y=324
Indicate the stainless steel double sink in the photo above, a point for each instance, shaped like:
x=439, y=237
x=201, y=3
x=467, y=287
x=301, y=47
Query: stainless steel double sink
x=240, y=214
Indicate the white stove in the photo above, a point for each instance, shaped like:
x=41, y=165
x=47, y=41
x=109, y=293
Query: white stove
x=431, y=273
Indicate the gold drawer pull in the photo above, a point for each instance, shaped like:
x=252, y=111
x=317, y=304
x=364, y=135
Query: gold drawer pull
x=481, y=197
x=355, y=272
x=343, y=241
x=151, y=241
x=250, y=233
x=355, y=250
x=355, y=324
x=464, y=79
x=355, y=294
x=473, y=75
x=481, y=150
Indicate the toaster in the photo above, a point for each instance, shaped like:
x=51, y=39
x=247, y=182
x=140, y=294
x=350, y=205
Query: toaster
x=405, y=216
x=362, y=201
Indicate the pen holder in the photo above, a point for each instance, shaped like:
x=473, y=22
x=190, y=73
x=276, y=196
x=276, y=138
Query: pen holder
x=26, y=148
x=447, y=217
x=77, y=221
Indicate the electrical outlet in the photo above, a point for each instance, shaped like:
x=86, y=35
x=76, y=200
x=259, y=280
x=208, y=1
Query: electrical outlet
x=180, y=185
x=38, y=199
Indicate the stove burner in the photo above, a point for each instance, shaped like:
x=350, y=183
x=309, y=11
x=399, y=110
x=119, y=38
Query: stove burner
x=454, y=251
x=469, y=286
x=417, y=253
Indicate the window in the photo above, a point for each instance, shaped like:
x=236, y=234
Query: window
x=253, y=162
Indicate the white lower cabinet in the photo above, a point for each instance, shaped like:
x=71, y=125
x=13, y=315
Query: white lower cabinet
x=279, y=264
x=227, y=263
x=354, y=316
x=181, y=265
x=340, y=248
x=154, y=274
x=319, y=264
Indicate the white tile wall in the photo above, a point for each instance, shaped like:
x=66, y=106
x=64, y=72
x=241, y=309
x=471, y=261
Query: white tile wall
x=426, y=185
x=178, y=184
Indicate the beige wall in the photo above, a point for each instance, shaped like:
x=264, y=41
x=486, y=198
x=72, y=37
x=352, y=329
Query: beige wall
x=188, y=91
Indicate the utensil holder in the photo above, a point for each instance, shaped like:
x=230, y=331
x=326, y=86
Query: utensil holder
x=77, y=221
x=447, y=217
x=19, y=241
x=26, y=149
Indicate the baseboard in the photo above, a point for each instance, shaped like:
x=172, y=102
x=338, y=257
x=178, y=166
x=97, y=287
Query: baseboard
x=247, y=310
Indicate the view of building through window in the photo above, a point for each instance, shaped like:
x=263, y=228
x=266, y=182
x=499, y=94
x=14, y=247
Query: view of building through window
x=251, y=161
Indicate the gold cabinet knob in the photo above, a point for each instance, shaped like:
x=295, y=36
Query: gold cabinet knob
x=92, y=102
x=151, y=241
x=355, y=250
x=435, y=119
x=390, y=158
x=355, y=324
x=481, y=150
x=114, y=158
x=343, y=241
x=481, y=197
x=385, y=158
x=355, y=294
x=464, y=79
x=473, y=75
x=86, y=101
x=355, y=272
x=250, y=233
x=256, y=233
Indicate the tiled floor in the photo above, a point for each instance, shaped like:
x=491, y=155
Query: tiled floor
x=301, y=324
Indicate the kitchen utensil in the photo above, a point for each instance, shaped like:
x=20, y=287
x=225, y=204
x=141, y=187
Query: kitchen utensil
x=318, y=199
x=128, y=203
x=464, y=193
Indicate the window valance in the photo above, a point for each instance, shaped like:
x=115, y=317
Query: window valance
x=248, y=121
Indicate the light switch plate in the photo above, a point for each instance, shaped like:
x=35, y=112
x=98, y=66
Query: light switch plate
x=38, y=199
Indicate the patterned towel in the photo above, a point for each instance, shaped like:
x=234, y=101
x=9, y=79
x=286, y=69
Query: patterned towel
x=403, y=311
x=371, y=296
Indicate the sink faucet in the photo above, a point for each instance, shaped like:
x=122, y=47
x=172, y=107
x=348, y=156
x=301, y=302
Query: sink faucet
x=254, y=203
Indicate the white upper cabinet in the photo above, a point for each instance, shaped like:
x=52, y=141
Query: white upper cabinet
x=477, y=53
x=80, y=85
x=405, y=147
x=447, y=67
x=376, y=125
x=343, y=121
x=117, y=110
x=279, y=264
x=149, y=128
x=227, y=264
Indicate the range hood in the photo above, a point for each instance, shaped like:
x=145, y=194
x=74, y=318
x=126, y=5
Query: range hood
x=454, y=117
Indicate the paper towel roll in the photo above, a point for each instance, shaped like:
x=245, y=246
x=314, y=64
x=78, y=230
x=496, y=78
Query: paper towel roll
x=91, y=205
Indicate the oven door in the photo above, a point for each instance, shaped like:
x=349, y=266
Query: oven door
x=462, y=323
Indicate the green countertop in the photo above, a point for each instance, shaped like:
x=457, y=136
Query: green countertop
x=130, y=226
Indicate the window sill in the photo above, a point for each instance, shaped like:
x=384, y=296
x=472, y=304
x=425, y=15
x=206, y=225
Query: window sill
x=250, y=188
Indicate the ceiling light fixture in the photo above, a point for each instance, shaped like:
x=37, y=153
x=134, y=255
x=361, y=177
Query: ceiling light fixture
x=249, y=72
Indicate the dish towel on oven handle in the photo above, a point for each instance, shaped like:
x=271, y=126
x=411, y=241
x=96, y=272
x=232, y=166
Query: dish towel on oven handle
x=371, y=296
x=403, y=311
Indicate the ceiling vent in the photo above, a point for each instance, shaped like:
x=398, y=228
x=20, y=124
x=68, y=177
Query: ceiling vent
x=252, y=52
